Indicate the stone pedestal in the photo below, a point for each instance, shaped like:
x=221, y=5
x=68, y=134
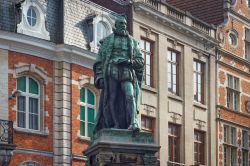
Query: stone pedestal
x=115, y=147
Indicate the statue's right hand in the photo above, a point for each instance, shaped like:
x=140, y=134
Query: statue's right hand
x=101, y=83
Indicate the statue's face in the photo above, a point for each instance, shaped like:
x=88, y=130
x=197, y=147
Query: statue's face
x=121, y=24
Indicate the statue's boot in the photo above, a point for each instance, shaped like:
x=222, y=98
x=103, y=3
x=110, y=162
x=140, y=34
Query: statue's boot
x=130, y=105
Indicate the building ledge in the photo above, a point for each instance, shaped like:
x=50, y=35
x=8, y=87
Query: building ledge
x=34, y=132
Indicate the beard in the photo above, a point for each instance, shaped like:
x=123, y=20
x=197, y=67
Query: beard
x=120, y=32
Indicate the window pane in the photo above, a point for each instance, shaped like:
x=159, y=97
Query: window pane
x=148, y=59
x=169, y=56
x=148, y=81
x=33, y=105
x=82, y=128
x=33, y=86
x=21, y=119
x=82, y=95
x=82, y=113
x=90, y=129
x=21, y=111
x=91, y=115
x=142, y=42
x=21, y=84
x=33, y=121
x=173, y=56
x=194, y=66
x=148, y=70
x=91, y=98
x=147, y=46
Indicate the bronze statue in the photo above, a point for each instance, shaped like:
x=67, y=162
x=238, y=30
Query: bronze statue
x=118, y=72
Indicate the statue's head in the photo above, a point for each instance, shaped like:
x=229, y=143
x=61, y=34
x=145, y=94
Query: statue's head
x=121, y=24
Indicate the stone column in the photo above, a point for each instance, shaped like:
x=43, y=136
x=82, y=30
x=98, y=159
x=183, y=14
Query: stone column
x=62, y=114
x=211, y=143
x=188, y=105
x=4, y=84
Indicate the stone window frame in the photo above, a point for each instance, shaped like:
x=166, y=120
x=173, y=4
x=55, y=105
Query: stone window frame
x=37, y=73
x=235, y=91
x=35, y=163
x=87, y=82
x=229, y=145
x=94, y=44
x=177, y=64
x=247, y=44
x=27, y=96
x=151, y=60
x=39, y=29
x=202, y=73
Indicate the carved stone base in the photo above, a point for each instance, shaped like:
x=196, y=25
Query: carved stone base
x=115, y=147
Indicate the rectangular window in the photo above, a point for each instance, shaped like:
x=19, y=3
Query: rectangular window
x=233, y=94
x=245, y=139
x=199, y=147
x=198, y=79
x=244, y=158
x=173, y=143
x=147, y=53
x=173, y=72
x=247, y=44
x=147, y=124
x=230, y=149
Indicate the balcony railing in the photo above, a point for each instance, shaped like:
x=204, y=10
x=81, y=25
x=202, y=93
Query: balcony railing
x=184, y=17
x=6, y=132
x=170, y=163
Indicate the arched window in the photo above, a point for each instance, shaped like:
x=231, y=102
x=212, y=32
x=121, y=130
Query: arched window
x=30, y=163
x=102, y=30
x=28, y=103
x=87, y=112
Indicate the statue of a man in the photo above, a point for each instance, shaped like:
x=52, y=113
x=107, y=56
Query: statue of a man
x=118, y=72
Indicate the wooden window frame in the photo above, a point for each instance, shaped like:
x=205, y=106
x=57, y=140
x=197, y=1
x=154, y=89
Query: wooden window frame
x=202, y=73
x=201, y=147
x=177, y=53
x=174, y=137
x=144, y=52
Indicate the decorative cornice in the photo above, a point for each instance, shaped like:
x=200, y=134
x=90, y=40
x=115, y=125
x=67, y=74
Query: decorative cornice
x=235, y=57
x=45, y=49
x=234, y=68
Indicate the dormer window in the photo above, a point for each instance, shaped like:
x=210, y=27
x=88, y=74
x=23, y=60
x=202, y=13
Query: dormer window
x=32, y=16
x=100, y=27
x=33, y=20
x=102, y=30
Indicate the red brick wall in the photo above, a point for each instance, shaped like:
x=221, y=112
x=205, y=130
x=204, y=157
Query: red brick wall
x=25, y=140
x=20, y=158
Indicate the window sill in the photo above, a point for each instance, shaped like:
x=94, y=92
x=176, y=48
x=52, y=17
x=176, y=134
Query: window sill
x=199, y=105
x=175, y=97
x=231, y=145
x=83, y=138
x=34, y=132
x=148, y=88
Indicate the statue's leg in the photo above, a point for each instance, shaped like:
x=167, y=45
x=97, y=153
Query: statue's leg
x=128, y=90
x=113, y=84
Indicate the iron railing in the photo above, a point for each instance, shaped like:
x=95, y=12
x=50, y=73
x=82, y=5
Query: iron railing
x=171, y=163
x=6, y=132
